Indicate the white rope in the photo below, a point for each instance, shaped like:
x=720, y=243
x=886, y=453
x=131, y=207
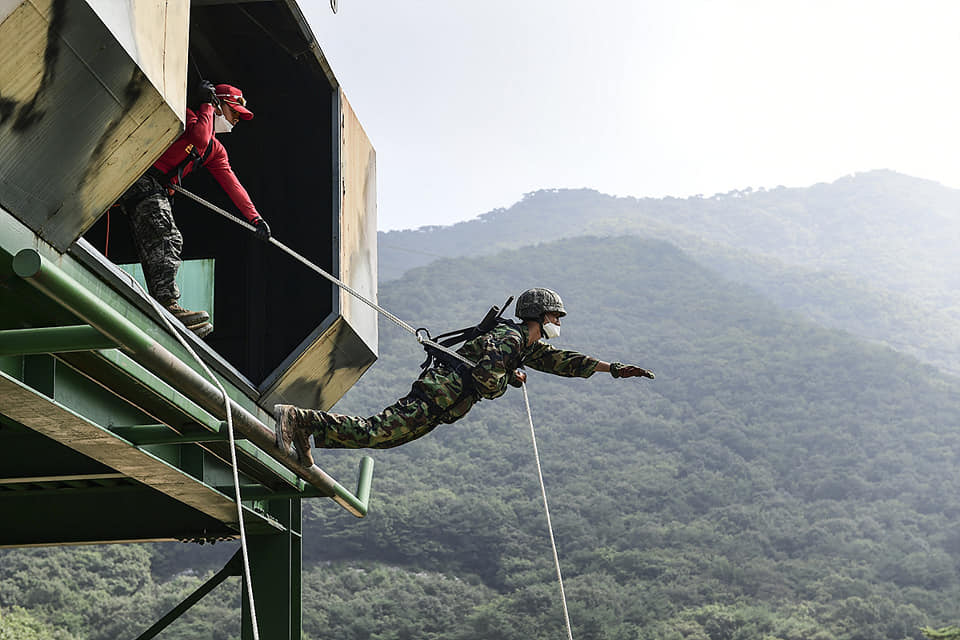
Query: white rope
x=356, y=294
x=403, y=325
x=546, y=509
x=233, y=456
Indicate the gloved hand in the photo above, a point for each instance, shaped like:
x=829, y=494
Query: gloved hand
x=208, y=93
x=620, y=370
x=263, y=229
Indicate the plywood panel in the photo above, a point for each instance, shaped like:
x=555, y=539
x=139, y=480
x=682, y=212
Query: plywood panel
x=80, y=120
x=358, y=224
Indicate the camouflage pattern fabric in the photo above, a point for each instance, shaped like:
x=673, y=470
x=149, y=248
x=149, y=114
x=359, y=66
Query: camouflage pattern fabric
x=441, y=396
x=501, y=351
x=156, y=237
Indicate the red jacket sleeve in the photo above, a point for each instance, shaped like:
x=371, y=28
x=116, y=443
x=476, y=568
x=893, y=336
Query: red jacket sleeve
x=218, y=164
x=199, y=126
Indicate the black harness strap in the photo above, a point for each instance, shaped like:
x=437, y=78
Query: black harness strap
x=450, y=338
x=193, y=156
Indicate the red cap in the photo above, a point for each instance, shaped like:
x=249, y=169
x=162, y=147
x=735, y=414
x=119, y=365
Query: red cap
x=234, y=97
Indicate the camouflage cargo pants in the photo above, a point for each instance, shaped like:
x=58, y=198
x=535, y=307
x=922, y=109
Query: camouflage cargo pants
x=409, y=418
x=156, y=237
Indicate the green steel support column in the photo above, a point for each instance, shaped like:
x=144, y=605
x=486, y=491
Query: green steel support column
x=53, y=340
x=364, y=483
x=48, y=278
x=275, y=569
x=233, y=568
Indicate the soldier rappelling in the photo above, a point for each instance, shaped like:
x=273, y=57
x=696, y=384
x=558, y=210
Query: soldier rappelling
x=447, y=390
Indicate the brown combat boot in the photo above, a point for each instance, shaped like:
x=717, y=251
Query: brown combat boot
x=202, y=329
x=187, y=317
x=290, y=429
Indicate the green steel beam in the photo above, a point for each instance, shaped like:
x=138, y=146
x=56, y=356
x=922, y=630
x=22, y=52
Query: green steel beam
x=20, y=342
x=176, y=484
x=359, y=502
x=259, y=492
x=122, y=375
x=45, y=276
x=144, y=434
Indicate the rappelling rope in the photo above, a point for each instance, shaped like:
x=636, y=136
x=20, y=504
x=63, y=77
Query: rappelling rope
x=420, y=334
x=233, y=456
x=546, y=509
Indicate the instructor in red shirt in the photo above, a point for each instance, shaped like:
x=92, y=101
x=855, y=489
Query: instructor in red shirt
x=148, y=201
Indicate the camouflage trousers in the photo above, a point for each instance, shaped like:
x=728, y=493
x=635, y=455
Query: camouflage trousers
x=156, y=237
x=409, y=418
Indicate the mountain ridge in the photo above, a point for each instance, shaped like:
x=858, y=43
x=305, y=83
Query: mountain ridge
x=776, y=481
x=886, y=270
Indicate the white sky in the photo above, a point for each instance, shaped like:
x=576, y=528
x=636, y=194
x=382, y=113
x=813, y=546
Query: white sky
x=471, y=104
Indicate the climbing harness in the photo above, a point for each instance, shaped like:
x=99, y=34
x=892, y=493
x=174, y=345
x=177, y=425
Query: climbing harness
x=422, y=336
x=438, y=349
x=191, y=161
x=546, y=509
x=233, y=456
x=436, y=357
x=451, y=338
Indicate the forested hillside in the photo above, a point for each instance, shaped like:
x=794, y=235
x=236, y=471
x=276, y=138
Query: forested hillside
x=873, y=254
x=777, y=480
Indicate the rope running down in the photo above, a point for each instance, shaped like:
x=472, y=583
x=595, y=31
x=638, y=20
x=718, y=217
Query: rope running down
x=233, y=455
x=546, y=509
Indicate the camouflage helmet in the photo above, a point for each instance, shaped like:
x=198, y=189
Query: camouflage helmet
x=533, y=303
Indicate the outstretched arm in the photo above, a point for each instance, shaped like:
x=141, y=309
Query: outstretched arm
x=560, y=362
x=572, y=364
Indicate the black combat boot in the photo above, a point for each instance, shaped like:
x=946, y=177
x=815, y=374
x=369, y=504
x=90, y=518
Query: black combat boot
x=292, y=428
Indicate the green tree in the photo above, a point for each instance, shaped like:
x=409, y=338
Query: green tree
x=18, y=624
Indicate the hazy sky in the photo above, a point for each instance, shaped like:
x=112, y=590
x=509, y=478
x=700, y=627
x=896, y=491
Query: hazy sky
x=471, y=104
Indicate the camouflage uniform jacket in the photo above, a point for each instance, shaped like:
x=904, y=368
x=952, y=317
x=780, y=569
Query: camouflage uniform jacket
x=498, y=354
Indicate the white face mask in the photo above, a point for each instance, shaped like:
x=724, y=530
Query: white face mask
x=550, y=330
x=221, y=124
